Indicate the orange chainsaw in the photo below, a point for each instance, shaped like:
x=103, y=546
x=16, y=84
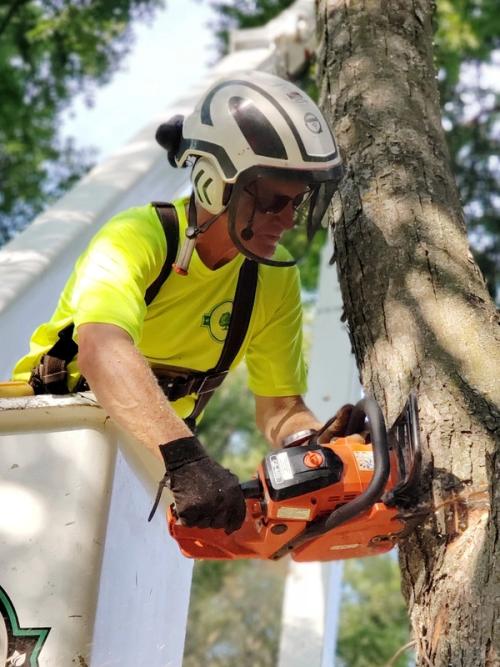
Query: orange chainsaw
x=321, y=502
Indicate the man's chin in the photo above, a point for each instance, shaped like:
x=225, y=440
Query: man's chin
x=265, y=250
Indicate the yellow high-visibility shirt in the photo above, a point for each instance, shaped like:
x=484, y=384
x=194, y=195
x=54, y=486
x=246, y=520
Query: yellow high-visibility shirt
x=187, y=322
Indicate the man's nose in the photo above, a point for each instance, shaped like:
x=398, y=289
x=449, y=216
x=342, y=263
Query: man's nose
x=286, y=216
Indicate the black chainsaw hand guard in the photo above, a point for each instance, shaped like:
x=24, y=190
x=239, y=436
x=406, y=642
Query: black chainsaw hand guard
x=206, y=494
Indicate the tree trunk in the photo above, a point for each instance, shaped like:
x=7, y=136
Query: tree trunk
x=418, y=312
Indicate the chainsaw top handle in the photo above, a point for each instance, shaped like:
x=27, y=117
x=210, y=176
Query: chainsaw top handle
x=368, y=408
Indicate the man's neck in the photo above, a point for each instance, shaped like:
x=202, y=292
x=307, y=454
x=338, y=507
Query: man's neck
x=214, y=246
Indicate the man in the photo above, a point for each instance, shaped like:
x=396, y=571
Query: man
x=263, y=159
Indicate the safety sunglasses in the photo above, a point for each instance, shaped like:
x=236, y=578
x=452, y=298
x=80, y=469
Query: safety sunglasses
x=274, y=202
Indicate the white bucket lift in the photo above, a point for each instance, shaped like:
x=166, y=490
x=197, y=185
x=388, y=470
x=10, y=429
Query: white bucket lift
x=85, y=580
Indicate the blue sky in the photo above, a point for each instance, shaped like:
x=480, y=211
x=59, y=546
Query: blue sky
x=168, y=57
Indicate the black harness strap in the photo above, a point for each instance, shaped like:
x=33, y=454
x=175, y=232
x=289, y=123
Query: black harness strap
x=244, y=300
x=168, y=218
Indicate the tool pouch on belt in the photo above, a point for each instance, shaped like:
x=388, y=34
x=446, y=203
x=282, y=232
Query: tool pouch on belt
x=49, y=377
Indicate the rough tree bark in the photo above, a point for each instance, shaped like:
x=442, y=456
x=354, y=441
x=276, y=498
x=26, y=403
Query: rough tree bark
x=418, y=311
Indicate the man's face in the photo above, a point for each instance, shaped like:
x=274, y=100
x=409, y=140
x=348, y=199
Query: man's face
x=266, y=210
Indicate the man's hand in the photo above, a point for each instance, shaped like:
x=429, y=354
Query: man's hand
x=339, y=425
x=206, y=494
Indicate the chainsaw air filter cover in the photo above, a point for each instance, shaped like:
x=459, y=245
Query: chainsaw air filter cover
x=297, y=470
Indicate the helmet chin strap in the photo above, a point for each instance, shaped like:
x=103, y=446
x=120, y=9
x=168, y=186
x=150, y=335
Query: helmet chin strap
x=192, y=232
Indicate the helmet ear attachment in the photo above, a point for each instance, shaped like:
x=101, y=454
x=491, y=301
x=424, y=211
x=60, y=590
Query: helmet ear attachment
x=169, y=136
x=209, y=188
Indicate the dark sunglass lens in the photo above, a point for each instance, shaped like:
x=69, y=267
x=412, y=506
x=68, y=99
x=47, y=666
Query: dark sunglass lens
x=277, y=204
x=300, y=199
x=297, y=201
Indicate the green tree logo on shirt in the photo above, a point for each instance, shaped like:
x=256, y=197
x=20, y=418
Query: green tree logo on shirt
x=217, y=320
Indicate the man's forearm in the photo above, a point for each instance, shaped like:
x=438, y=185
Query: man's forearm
x=125, y=386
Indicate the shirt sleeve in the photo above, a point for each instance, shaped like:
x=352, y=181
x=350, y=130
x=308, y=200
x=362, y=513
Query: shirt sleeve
x=274, y=357
x=112, y=275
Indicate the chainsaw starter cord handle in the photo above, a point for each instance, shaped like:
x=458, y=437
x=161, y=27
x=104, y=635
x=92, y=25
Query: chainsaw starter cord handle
x=206, y=494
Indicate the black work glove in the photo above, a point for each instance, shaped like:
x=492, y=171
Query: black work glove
x=206, y=494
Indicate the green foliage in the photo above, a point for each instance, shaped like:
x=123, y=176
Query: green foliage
x=49, y=52
x=467, y=35
x=308, y=255
x=239, y=623
x=373, y=621
x=466, y=31
x=228, y=427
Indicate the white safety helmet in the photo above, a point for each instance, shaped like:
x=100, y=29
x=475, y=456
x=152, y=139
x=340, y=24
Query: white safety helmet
x=251, y=127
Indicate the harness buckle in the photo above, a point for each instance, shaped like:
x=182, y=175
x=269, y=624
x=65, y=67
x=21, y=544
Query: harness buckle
x=209, y=382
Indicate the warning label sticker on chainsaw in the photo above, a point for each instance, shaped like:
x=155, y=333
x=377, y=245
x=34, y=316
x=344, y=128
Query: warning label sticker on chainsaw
x=365, y=460
x=281, y=469
x=300, y=513
x=342, y=547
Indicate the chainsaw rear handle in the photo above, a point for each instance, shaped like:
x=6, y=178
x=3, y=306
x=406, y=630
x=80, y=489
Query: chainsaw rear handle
x=368, y=408
x=252, y=488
